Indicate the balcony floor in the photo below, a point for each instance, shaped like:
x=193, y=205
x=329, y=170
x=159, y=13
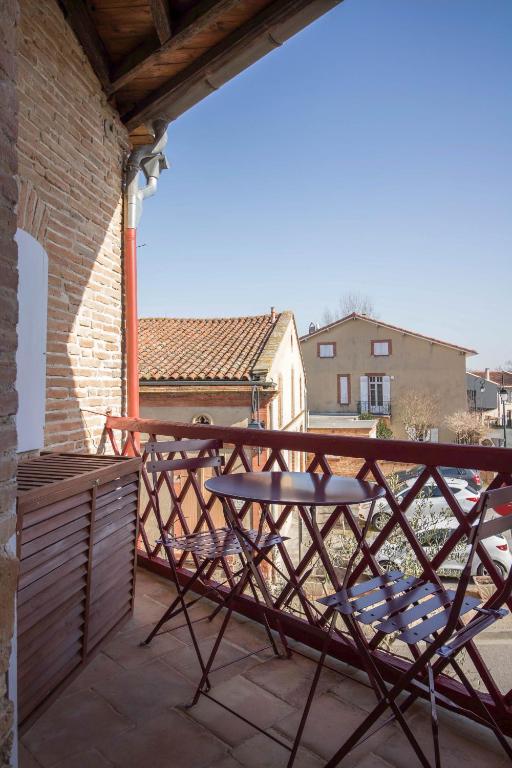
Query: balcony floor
x=125, y=709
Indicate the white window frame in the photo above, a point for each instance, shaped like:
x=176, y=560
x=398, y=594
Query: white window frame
x=332, y=348
x=381, y=349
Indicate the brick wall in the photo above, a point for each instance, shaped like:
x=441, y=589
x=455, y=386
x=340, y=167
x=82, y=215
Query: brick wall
x=71, y=152
x=8, y=319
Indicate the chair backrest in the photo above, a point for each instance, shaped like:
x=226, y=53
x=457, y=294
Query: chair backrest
x=155, y=465
x=156, y=448
x=480, y=530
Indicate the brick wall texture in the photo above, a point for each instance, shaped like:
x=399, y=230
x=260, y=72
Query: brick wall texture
x=8, y=320
x=71, y=152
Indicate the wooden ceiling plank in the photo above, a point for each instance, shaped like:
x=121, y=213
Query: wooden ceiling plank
x=227, y=49
x=161, y=19
x=200, y=16
x=82, y=25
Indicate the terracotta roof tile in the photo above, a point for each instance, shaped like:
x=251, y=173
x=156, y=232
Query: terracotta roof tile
x=498, y=377
x=172, y=349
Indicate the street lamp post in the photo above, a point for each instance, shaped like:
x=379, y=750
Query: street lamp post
x=504, y=398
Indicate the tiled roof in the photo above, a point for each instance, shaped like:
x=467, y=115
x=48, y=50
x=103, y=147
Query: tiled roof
x=357, y=316
x=218, y=349
x=503, y=378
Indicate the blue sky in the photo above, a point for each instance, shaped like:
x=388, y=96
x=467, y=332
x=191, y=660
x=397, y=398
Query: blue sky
x=370, y=153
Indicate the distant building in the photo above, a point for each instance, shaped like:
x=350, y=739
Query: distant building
x=223, y=371
x=483, y=392
x=362, y=365
x=230, y=371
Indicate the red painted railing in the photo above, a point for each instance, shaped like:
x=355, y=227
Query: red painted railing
x=247, y=449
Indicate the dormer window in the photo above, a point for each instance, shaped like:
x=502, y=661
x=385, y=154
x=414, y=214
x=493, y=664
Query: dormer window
x=326, y=349
x=381, y=348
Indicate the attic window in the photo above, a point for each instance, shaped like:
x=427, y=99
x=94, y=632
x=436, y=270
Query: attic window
x=381, y=348
x=202, y=419
x=327, y=349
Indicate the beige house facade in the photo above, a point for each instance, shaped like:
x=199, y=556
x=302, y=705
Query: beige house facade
x=362, y=365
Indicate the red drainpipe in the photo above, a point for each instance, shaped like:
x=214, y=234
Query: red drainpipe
x=132, y=323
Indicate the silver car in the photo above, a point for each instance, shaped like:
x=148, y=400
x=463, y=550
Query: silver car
x=390, y=556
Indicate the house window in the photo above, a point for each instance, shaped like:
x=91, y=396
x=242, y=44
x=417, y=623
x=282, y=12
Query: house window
x=381, y=348
x=375, y=394
x=327, y=350
x=344, y=389
x=202, y=418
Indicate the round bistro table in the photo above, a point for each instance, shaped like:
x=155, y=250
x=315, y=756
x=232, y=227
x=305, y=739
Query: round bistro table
x=304, y=489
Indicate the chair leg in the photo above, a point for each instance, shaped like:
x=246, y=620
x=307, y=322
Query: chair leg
x=434, y=718
x=388, y=700
x=486, y=714
x=171, y=611
x=311, y=695
x=229, y=605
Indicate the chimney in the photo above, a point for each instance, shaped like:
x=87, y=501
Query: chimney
x=312, y=328
x=488, y=374
x=273, y=314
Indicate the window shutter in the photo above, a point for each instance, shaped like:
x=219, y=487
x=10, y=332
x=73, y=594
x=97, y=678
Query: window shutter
x=386, y=388
x=363, y=389
x=31, y=352
x=343, y=393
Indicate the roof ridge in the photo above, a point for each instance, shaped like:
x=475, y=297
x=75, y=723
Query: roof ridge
x=376, y=321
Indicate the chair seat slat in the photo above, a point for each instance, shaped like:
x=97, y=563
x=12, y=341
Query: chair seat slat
x=403, y=619
x=435, y=623
x=391, y=607
x=362, y=588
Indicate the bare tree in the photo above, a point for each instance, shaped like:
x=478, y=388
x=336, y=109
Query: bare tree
x=468, y=427
x=419, y=413
x=348, y=303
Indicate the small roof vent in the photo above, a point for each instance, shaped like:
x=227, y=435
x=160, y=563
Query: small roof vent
x=312, y=327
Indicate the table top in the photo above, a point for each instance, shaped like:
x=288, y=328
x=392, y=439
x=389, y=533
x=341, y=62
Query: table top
x=304, y=488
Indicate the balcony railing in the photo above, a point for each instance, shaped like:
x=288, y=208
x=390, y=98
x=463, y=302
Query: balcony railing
x=255, y=450
x=380, y=409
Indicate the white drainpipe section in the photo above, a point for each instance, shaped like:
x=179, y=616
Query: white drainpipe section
x=151, y=160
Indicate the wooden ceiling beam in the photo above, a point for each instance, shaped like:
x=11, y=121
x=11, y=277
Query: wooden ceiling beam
x=79, y=20
x=161, y=19
x=200, y=16
x=252, y=40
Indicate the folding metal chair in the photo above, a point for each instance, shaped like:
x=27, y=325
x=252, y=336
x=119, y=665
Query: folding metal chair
x=419, y=611
x=206, y=547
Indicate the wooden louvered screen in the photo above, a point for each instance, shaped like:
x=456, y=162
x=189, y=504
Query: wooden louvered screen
x=77, y=530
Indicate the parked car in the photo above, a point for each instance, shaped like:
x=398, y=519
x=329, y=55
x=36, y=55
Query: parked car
x=471, y=476
x=390, y=558
x=464, y=493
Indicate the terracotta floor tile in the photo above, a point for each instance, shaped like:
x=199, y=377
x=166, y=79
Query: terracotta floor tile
x=126, y=649
x=142, y=692
x=262, y=752
x=26, y=759
x=185, y=660
x=169, y=740
x=89, y=759
x=73, y=724
x=459, y=746
x=100, y=668
x=330, y=722
x=290, y=679
x=245, y=698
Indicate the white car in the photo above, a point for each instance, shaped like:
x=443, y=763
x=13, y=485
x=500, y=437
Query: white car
x=429, y=500
x=390, y=557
